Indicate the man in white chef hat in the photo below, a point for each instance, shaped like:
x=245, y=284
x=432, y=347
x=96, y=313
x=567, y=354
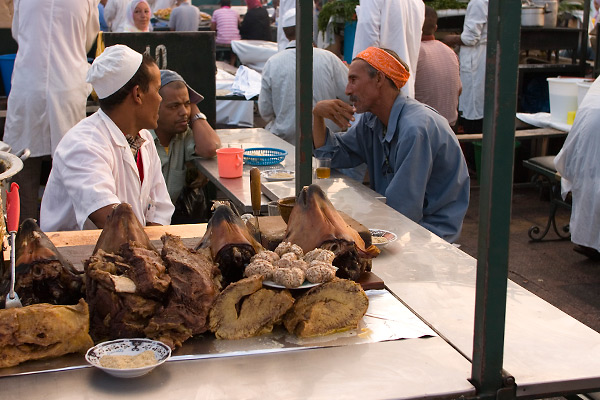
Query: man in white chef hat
x=109, y=157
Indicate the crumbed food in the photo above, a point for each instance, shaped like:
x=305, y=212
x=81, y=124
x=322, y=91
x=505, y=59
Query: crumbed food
x=319, y=272
x=262, y=268
x=319, y=254
x=288, y=247
x=289, y=277
x=125, y=361
x=266, y=255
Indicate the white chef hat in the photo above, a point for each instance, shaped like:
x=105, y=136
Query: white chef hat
x=289, y=18
x=112, y=69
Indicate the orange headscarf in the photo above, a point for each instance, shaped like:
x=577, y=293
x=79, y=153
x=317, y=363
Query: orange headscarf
x=382, y=61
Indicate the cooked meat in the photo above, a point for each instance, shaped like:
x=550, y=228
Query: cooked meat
x=195, y=284
x=231, y=244
x=245, y=309
x=42, y=274
x=315, y=223
x=117, y=309
x=146, y=270
x=122, y=226
x=42, y=331
x=331, y=307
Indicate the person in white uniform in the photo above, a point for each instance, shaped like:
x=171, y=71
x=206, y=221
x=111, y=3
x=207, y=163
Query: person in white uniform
x=115, y=14
x=277, y=99
x=394, y=25
x=577, y=163
x=49, y=91
x=110, y=157
x=473, y=45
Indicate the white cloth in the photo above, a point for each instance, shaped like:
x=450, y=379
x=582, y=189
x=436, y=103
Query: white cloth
x=394, y=25
x=277, y=99
x=49, y=92
x=253, y=53
x=94, y=167
x=115, y=14
x=472, y=60
x=232, y=112
x=577, y=162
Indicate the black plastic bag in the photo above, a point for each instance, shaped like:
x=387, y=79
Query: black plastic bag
x=192, y=206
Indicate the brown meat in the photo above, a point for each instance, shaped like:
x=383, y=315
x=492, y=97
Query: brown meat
x=334, y=306
x=230, y=243
x=42, y=331
x=146, y=270
x=314, y=223
x=42, y=274
x=195, y=284
x=245, y=309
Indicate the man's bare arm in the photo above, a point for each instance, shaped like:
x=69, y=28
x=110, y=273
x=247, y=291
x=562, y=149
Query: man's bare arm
x=206, y=139
x=100, y=216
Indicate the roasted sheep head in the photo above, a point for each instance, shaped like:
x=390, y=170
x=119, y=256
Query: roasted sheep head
x=231, y=244
x=42, y=274
x=314, y=223
x=122, y=226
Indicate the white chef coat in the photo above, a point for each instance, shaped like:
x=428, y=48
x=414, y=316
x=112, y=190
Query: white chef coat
x=49, y=92
x=93, y=167
x=394, y=25
x=578, y=164
x=472, y=60
x=115, y=14
x=277, y=99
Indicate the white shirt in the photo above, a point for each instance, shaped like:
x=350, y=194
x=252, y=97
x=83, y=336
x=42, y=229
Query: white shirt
x=94, y=167
x=472, y=60
x=115, y=14
x=394, y=25
x=277, y=99
x=49, y=92
x=578, y=164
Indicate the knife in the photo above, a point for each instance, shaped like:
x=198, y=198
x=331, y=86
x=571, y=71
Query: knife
x=255, y=197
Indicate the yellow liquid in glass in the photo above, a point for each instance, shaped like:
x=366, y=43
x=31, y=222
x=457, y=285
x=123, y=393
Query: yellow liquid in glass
x=323, y=172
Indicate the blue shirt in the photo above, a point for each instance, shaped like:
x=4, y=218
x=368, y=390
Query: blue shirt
x=103, y=24
x=416, y=163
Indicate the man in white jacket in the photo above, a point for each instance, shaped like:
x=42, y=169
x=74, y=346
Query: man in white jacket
x=115, y=14
x=109, y=157
x=49, y=92
x=395, y=25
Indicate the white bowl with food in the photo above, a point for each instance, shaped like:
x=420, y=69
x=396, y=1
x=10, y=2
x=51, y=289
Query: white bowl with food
x=128, y=358
x=381, y=237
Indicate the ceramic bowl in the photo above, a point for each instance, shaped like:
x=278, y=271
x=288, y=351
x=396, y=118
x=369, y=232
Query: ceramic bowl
x=286, y=205
x=129, y=347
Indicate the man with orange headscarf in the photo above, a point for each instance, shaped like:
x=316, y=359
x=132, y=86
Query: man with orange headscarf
x=413, y=157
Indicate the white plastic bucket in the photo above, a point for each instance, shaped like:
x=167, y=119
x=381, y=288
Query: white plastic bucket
x=582, y=89
x=563, y=97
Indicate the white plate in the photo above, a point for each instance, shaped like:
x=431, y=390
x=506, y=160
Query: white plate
x=278, y=175
x=305, y=285
x=128, y=347
x=382, y=233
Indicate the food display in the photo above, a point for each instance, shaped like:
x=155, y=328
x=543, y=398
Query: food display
x=163, y=13
x=332, y=307
x=315, y=223
x=245, y=309
x=42, y=274
x=143, y=359
x=42, y=331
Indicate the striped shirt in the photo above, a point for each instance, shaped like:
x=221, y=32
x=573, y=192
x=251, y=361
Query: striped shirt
x=226, y=21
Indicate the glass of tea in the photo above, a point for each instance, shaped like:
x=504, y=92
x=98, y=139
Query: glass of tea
x=323, y=168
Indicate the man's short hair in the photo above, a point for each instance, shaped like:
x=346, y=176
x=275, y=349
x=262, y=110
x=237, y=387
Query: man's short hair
x=290, y=32
x=225, y=3
x=141, y=78
x=430, y=23
x=372, y=71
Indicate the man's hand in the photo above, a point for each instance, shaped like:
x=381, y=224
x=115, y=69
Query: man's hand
x=336, y=110
x=452, y=40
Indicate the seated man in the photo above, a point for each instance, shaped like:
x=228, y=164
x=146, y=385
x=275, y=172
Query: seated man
x=109, y=158
x=413, y=157
x=577, y=163
x=182, y=135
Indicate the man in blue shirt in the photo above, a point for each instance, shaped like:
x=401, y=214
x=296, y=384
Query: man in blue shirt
x=413, y=157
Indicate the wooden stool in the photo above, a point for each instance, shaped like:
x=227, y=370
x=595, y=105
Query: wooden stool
x=547, y=176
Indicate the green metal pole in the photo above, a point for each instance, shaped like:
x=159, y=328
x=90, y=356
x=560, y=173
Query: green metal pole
x=304, y=62
x=504, y=18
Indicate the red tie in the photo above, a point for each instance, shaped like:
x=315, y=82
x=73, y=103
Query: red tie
x=140, y=165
